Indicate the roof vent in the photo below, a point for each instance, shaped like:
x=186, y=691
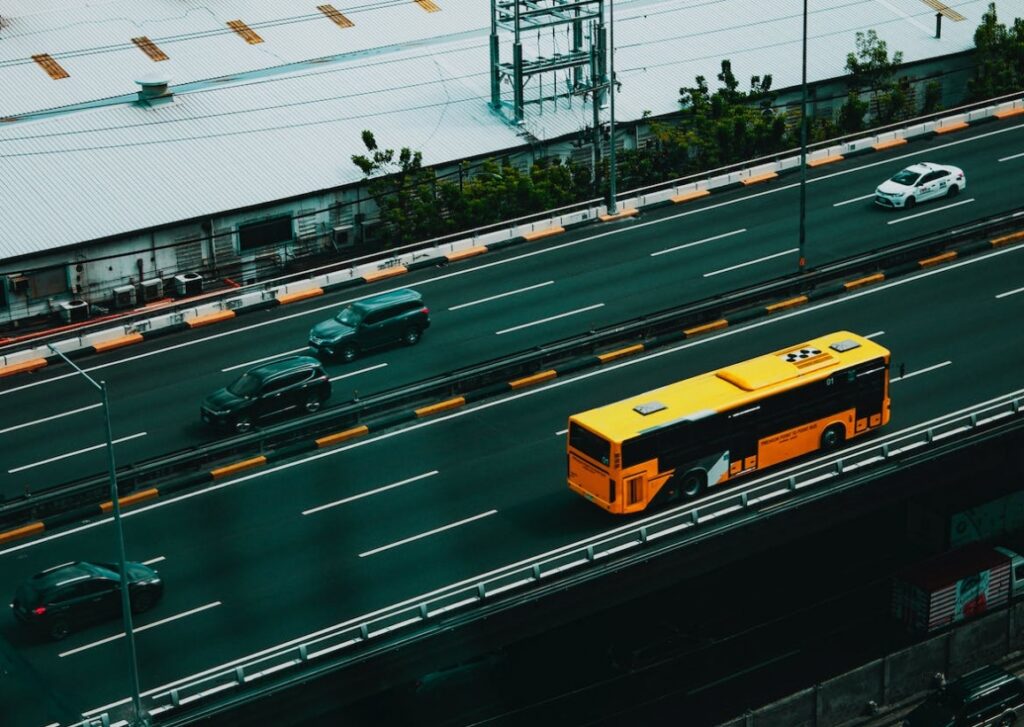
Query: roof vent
x=801, y=354
x=649, y=407
x=153, y=90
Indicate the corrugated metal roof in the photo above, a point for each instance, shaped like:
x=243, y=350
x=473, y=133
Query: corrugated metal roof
x=290, y=130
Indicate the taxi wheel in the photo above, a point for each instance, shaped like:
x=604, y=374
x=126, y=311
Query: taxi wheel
x=953, y=191
x=909, y=204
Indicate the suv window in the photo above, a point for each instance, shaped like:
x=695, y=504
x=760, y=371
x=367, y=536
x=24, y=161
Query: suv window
x=377, y=316
x=287, y=380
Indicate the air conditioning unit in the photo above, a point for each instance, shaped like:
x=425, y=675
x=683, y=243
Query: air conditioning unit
x=188, y=284
x=74, y=311
x=150, y=290
x=124, y=296
x=344, y=236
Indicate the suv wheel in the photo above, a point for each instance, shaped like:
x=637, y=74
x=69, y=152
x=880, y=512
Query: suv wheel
x=243, y=425
x=348, y=353
x=411, y=336
x=59, y=628
x=142, y=601
x=1007, y=719
x=313, y=403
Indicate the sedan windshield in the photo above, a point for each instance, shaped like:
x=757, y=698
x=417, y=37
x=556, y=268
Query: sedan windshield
x=348, y=316
x=247, y=385
x=907, y=178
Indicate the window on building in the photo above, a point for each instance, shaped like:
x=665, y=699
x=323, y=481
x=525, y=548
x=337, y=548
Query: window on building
x=266, y=232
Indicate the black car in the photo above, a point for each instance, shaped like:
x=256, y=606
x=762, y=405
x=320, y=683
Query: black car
x=75, y=594
x=298, y=383
x=380, y=320
x=986, y=697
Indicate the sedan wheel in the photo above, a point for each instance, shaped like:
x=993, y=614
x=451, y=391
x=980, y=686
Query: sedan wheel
x=348, y=353
x=142, y=601
x=953, y=191
x=909, y=204
x=59, y=629
x=313, y=403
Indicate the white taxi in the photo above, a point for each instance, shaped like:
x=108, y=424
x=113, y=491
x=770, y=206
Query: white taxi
x=920, y=182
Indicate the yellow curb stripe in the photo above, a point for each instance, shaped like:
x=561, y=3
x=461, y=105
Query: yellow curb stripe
x=535, y=379
x=468, y=252
x=612, y=355
x=783, y=305
x=997, y=242
x=199, y=321
x=342, y=436
x=131, y=499
x=24, y=366
x=758, y=178
x=631, y=212
x=825, y=160
x=117, y=342
x=707, y=327
x=22, y=532
x=938, y=259
x=1007, y=113
x=238, y=466
x=951, y=127
x=385, y=273
x=867, y=280
x=541, y=234
x=687, y=196
x=300, y=295
x=425, y=411
x=888, y=144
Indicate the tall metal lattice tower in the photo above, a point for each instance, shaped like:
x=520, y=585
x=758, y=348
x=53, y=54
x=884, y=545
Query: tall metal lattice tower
x=575, y=65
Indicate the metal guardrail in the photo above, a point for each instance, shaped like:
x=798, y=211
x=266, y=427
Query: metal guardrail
x=729, y=510
x=668, y=323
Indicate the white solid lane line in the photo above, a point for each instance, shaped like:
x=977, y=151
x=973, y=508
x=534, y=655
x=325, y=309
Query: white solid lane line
x=1013, y=156
x=752, y=262
x=359, y=371
x=161, y=622
x=921, y=371
x=1010, y=292
x=876, y=334
x=699, y=242
x=151, y=561
x=48, y=419
x=561, y=432
x=72, y=454
x=930, y=212
x=361, y=495
x=550, y=318
x=428, y=533
x=265, y=358
x=501, y=295
x=855, y=199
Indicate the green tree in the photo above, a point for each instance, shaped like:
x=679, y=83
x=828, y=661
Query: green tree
x=872, y=71
x=998, y=57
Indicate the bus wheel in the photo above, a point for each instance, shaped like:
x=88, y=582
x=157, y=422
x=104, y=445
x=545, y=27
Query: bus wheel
x=832, y=437
x=693, y=484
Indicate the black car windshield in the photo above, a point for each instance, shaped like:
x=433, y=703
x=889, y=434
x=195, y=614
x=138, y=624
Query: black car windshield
x=349, y=316
x=247, y=385
x=907, y=178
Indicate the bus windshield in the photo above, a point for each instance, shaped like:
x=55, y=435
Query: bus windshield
x=595, y=447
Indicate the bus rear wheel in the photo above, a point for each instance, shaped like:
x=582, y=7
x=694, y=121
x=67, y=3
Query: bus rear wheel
x=833, y=436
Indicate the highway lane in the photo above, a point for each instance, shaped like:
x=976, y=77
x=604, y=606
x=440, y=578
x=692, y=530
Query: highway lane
x=451, y=498
x=547, y=291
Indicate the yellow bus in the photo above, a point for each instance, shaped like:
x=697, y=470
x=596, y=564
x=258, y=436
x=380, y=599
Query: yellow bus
x=674, y=442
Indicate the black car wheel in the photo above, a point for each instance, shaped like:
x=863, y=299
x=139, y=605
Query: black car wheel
x=348, y=353
x=953, y=191
x=243, y=425
x=59, y=628
x=832, y=437
x=142, y=601
x=1007, y=719
x=411, y=336
x=313, y=403
x=909, y=204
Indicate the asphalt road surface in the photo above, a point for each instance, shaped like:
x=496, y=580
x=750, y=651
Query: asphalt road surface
x=277, y=554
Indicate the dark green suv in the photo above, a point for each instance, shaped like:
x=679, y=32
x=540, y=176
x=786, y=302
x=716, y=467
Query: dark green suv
x=398, y=316
x=298, y=383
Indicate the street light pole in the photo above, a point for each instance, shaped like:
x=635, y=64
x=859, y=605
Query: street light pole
x=803, y=148
x=126, y=611
x=612, y=206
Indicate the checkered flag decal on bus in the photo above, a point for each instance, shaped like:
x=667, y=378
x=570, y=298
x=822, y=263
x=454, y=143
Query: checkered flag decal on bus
x=795, y=357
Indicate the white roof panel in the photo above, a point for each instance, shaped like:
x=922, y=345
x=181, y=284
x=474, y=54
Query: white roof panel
x=270, y=133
